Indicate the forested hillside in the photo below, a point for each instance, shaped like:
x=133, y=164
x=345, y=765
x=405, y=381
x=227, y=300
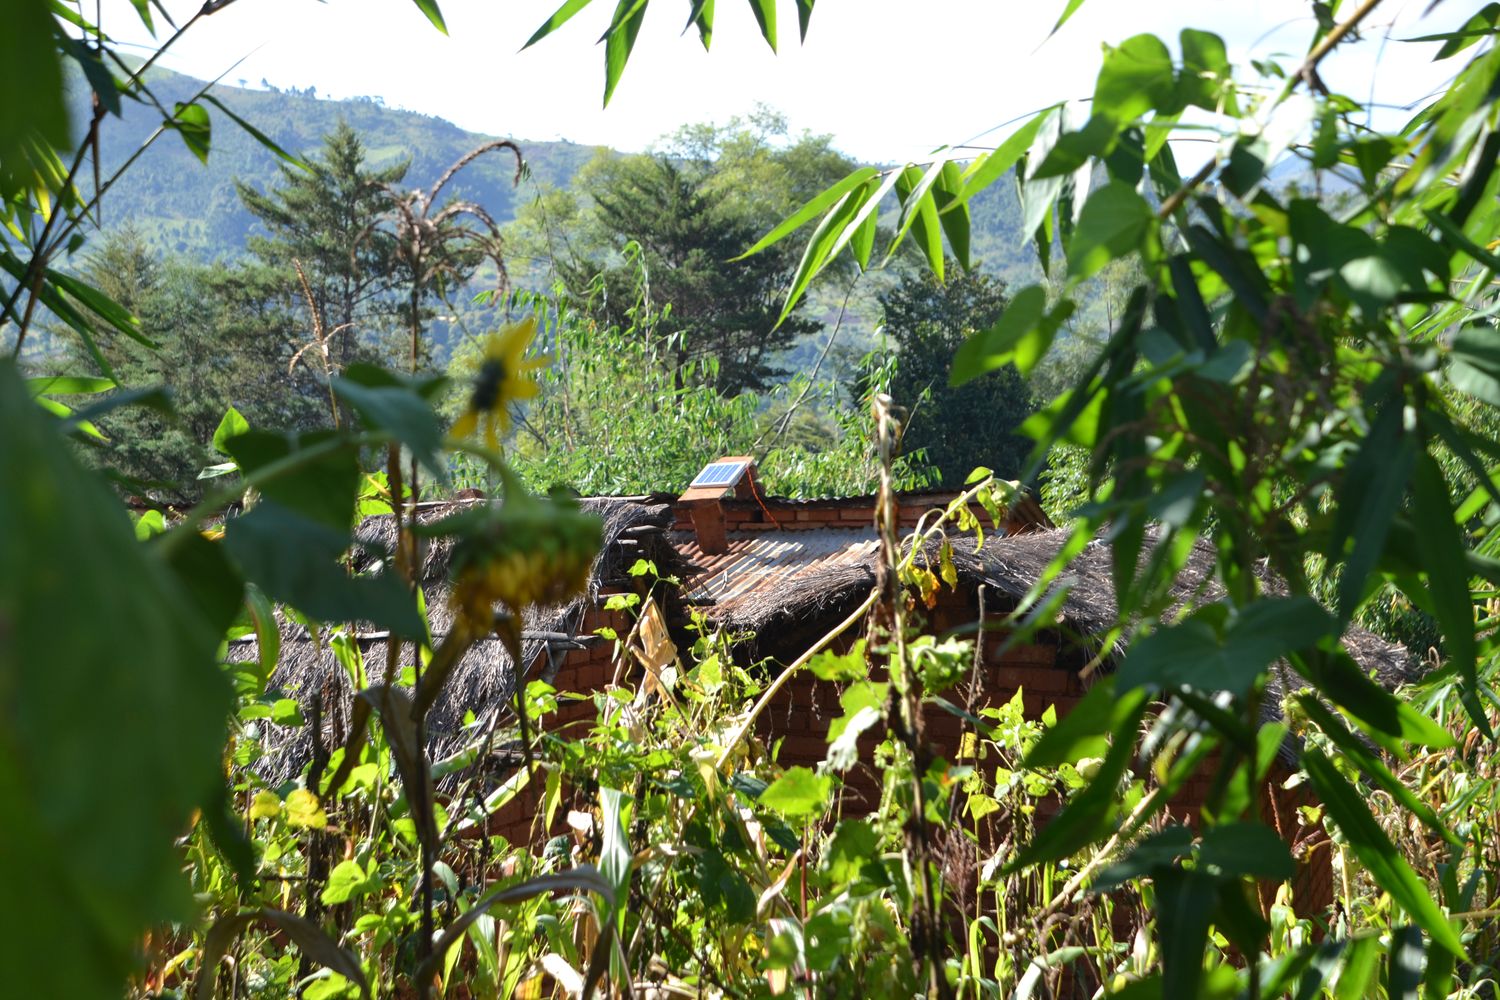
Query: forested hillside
x=179, y=207
x=183, y=208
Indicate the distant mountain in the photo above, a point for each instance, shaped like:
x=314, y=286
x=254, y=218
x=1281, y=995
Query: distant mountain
x=182, y=206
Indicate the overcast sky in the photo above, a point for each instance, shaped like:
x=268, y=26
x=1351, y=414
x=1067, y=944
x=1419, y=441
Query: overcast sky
x=890, y=79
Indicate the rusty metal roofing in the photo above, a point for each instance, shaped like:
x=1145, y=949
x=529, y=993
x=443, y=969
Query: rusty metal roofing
x=761, y=559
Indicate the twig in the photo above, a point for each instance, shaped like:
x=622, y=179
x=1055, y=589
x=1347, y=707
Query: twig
x=1306, y=73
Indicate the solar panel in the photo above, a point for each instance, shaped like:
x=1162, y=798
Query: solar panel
x=720, y=474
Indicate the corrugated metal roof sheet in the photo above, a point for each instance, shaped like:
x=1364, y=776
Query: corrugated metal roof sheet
x=771, y=559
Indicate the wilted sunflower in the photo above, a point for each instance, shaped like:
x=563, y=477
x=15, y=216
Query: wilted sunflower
x=530, y=550
x=503, y=376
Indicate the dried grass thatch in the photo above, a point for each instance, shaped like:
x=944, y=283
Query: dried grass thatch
x=1010, y=567
x=484, y=679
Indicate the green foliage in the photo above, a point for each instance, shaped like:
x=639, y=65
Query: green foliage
x=974, y=425
x=113, y=716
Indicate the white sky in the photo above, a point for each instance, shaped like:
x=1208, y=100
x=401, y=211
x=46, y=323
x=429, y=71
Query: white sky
x=889, y=79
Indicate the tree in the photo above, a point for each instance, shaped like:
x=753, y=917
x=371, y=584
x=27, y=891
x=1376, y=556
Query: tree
x=976, y=424
x=683, y=213
x=323, y=221
x=212, y=351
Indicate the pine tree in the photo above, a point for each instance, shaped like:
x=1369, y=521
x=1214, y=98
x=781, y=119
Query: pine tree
x=323, y=219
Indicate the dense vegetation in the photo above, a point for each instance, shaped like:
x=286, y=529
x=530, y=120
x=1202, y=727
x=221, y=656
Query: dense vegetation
x=1298, y=391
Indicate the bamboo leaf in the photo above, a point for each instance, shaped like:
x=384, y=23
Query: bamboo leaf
x=430, y=9
x=1376, y=852
x=814, y=207
x=619, y=41
x=765, y=16
x=557, y=20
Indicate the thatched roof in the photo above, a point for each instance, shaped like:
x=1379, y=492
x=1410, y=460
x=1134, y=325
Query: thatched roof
x=484, y=679
x=1008, y=566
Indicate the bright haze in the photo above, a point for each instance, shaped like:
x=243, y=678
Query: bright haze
x=889, y=79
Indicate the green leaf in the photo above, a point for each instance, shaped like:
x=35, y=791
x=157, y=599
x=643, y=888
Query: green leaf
x=1135, y=78
x=430, y=9
x=29, y=66
x=850, y=666
x=266, y=141
x=799, y=793
x=400, y=412
x=130, y=690
x=990, y=167
x=1375, y=851
x=702, y=15
x=1195, y=653
x=1068, y=12
x=1115, y=221
x=323, y=488
x=955, y=224
x=1252, y=849
x=1338, y=677
x=619, y=41
x=557, y=20
x=1373, y=487
x=101, y=305
x=297, y=561
x=995, y=347
x=1443, y=559
x=819, y=204
x=804, y=16
x=192, y=123
x=348, y=881
x=1353, y=748
x=1081, y=733
x=919, y=215
x=765, y=16
x=232, y=425
x=1185, y=902
x=68, y=385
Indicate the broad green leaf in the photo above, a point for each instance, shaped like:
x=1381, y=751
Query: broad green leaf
x=107, y=751
x=1376, y=852
x=400, y=412
x=1380, y=712
x=1252, y=849
x=1195, y=653
x=557, y=20
x=815, y=207
x=1135, y=78
x=945, y=193
x=798, y=793
x=347, y=881
x=850, y=666
x=994, y=347
x=765, y=17
x=433, y=14
x=192, y=123
x=837, y=225
x=1083, y=731
x=1374, y=487
x=321, y=486
x=919, y=215
x=297, y=561
x=1115, y=221
x=1357, y=751
x=232, y=425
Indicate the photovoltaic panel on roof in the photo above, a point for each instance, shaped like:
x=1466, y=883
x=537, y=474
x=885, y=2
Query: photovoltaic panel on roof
x=719, y=474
